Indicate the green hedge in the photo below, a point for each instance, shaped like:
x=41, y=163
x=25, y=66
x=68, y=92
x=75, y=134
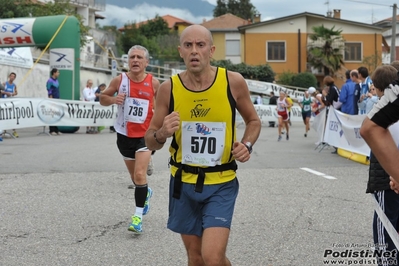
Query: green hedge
x=303, y=80
x=260, y=72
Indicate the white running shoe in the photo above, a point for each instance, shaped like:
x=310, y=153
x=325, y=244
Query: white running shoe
x=150, y=168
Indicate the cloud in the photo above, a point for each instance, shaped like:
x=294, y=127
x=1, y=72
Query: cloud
x=350, y=10
x=359, y=11
x=119, y=16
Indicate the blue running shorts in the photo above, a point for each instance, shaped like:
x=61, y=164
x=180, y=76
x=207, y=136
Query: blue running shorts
x=194, y=212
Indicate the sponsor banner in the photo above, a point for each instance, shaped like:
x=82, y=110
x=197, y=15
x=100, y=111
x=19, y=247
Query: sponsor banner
x=62, y=58
x=267, y=87
x=33, y=112
x=268, y=113
x=319, y=123
x=18, y=57
x=343, y=131
x=16, y=32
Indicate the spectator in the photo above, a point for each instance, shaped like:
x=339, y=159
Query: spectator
x=375, y=131
x=272, y=101
x=53, y=91
x=332, y=93
x=98, y=91
x=372, y=99
x=347, y=95
x=89, y=95
x=364, y=88
x=273, y=98
x=258, y=99
x=378, y=182
x=356, y=80
x=10, y=90
x=317, y=101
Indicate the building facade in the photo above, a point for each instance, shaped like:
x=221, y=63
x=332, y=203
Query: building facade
x=283, y=43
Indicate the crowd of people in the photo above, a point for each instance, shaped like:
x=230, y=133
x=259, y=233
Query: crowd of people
x=375, y=97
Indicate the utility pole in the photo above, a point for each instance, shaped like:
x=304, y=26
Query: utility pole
x=393, y=37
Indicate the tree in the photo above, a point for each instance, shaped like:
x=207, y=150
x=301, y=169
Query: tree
x=372, y=61
x=240, y=8
x=155, y=36
x=220, y=9
x=29, y=8
x=154, y=27
x=326, y=50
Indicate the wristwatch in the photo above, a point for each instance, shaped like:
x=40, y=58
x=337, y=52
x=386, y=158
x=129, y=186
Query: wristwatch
x=248, y=145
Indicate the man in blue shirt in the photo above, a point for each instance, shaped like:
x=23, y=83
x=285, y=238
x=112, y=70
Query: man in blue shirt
x=346, y=97
x=365, y=87
x=53, y=91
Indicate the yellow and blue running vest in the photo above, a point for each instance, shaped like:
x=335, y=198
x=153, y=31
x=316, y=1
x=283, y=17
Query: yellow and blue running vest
x=207, y=128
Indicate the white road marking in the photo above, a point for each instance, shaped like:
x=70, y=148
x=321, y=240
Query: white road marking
x=317, y=173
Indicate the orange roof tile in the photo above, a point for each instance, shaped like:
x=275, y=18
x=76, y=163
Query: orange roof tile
x=226, y=21
x=170, y=20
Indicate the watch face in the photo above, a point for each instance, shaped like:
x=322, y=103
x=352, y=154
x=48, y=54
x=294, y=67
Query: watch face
x=249, y=146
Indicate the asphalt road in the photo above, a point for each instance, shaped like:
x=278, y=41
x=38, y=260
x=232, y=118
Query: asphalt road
x=64, y=201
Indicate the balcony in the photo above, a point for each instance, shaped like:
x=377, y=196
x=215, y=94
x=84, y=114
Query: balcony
x=98, y=5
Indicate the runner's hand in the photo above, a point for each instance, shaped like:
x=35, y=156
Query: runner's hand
x=120, y=98
x=171, y=124
x=240, y=152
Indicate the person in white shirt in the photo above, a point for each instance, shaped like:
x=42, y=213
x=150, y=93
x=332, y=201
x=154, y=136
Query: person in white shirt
x=89, y=94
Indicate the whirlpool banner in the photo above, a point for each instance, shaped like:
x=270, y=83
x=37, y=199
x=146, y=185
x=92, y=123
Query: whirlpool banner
x=32, y=112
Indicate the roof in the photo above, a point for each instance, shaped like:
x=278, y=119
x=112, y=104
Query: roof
x=386, y=23
x=307, y=14
x=226, y=22
x=169, y=19
x=98, y=16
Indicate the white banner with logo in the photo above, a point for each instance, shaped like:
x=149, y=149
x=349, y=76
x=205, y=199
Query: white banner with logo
x=16, y=32
x=268, y=113
x=33, y=112
x=343, y=131
x=18, y=57
x=267, y=87
x=319, y=123
x=62, y=58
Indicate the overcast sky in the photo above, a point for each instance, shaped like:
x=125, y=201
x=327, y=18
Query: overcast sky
x=367, y=11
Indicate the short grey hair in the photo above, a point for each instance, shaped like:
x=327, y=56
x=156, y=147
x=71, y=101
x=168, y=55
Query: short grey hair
x=142, y=48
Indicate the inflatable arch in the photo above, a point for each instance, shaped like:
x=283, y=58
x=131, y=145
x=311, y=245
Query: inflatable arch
x=62, y=33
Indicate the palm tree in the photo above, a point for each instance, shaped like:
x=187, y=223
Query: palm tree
x=326, y=49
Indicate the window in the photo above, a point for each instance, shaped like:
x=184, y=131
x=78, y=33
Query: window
x=353, y=51
x=233, y=47
x=275, y=51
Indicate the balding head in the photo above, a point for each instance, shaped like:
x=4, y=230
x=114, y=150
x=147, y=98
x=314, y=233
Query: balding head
x=198, y=31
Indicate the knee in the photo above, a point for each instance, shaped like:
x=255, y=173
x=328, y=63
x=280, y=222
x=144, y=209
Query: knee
x=139, y=178
x=195, y=258
x=213, y=259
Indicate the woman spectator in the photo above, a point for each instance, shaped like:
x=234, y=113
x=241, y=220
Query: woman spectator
x=317, y=100
x=332, y=96
x=372, y=98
